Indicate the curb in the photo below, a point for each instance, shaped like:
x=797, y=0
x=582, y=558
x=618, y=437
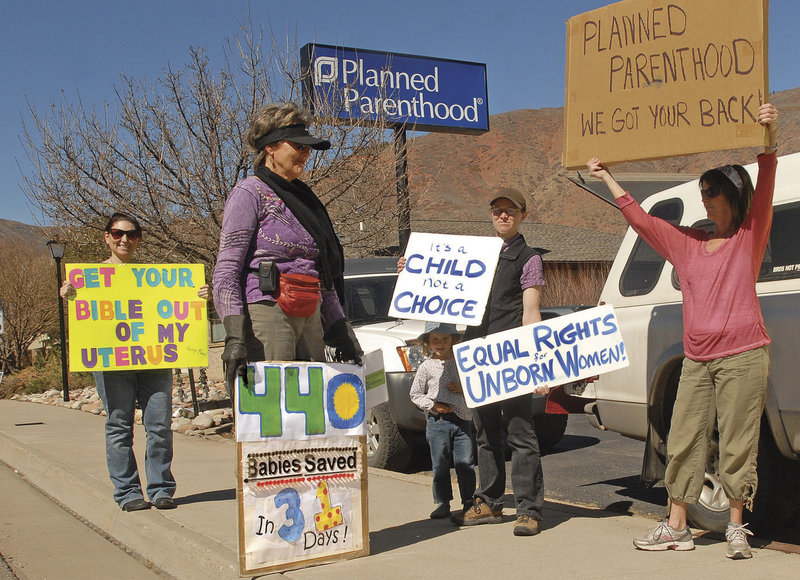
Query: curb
x=151, y=535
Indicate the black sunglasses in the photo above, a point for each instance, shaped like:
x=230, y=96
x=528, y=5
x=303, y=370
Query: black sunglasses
x=298, y=146
x=710, y=192
x=131, y=234
x=509, y=211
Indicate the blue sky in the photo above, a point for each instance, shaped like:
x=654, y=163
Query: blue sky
x=82, y=45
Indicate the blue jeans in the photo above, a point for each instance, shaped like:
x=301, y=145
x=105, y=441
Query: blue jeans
x=527, y=480
x=450, y=440
x=119, y=391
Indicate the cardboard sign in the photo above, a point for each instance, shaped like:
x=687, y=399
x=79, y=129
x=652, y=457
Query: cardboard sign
x=560, y=350
x=136, y=316
x=375, y=379
x=446, y=278
x=654, y=78
x=302, y=478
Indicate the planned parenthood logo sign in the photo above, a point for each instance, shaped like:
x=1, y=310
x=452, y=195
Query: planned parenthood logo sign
x=426, y=93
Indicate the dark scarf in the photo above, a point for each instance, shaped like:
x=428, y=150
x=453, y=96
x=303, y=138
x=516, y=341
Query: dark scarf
x=313, y=216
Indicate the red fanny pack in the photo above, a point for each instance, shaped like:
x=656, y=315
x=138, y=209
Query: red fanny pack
x=298, y=294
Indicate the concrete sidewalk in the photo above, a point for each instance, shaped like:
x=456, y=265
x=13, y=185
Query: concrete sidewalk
x=62, y=452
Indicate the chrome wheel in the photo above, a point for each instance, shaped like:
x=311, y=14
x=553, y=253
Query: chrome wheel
x=373, y=433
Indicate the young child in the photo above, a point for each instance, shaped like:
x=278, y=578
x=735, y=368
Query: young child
x=437, y=391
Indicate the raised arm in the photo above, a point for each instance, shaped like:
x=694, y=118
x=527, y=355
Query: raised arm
x=768, y=117
x=598, y=170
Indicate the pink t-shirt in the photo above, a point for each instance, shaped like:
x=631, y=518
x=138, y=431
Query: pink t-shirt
x=721, y=313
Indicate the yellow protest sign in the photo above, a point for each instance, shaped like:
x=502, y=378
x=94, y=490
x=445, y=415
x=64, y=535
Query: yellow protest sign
x=136, y=316
x=649, y=79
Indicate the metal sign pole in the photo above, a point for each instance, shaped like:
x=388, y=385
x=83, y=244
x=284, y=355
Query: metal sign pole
x=401, y=177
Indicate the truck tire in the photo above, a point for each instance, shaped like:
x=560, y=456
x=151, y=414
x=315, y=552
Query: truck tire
x=775, y=502
x=387, y=446
x=712, y=511
x=549, y=429
x=775, y=506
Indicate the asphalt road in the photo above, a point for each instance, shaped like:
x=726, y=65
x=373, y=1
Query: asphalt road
x=600, y=469
x=593, y=468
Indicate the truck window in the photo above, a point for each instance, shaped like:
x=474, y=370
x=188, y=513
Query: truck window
x=645, y=265
x=782, y=258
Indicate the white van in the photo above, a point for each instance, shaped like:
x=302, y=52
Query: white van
x=637, y=401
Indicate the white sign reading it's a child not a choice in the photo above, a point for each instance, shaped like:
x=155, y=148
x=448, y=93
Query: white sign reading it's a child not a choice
x=560, y=350
x=446, y=278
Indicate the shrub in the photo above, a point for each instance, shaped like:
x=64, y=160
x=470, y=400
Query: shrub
x=43, y=376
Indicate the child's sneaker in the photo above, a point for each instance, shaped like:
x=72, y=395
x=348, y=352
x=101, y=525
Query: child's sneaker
x=665, y=537
x=736, y=535
x=479, y=513
x=441, y=511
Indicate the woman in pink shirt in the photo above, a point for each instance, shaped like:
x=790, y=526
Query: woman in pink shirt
x=726, y=367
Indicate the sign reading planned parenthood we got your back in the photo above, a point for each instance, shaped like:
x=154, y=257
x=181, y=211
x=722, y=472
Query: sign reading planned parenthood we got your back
x=446, y=278
x=654, y=78
x=428, y=94
x=560, y=350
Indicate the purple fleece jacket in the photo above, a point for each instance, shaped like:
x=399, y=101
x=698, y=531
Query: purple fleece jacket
x=257, y=226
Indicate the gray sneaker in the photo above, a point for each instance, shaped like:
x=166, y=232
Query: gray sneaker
x=664, y=537
x=736, y=535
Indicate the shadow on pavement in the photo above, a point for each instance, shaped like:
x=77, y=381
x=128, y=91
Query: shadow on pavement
x=216, y=495
x=571, y=442
x=407, y=534
x=631, y=486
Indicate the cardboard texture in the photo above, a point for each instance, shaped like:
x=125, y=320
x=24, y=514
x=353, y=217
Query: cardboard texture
x=649, y=79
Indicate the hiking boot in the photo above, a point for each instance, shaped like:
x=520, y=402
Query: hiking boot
x=526, y=526
x=665, y=537
x=441, y=511
x=479, y=513
x=736, y=535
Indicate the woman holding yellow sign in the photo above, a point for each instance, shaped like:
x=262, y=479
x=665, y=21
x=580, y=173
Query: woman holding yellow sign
x=121, y=390
x=279, y=280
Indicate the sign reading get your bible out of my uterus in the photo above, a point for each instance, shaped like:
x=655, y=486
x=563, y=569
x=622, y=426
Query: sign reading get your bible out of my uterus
x=136, y=316
x=446, y=278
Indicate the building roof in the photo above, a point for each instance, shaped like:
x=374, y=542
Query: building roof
x=565, y=243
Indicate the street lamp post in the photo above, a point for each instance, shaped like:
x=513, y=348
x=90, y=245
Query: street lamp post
x=57, y=250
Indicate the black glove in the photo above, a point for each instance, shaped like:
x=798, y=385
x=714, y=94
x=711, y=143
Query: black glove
x=341, y=337
x=234, y=356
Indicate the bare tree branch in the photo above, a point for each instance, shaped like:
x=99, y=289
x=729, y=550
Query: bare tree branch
x=169, y=151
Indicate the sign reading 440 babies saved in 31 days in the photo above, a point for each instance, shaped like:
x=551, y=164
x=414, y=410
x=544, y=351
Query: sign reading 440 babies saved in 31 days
x=302, y=478
x=136, y=316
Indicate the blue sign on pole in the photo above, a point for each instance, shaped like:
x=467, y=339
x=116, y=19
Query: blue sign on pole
x=422, y=93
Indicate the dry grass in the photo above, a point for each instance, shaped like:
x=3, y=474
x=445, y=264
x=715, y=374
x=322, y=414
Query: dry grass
x=574, y=284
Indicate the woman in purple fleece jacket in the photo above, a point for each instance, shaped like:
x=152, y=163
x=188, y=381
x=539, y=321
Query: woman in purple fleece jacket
x=274, y=226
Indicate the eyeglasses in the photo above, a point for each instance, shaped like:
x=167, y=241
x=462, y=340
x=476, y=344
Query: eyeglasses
x=299, y=146
x=130, y=234
x=710, y=192
x=509, y=211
